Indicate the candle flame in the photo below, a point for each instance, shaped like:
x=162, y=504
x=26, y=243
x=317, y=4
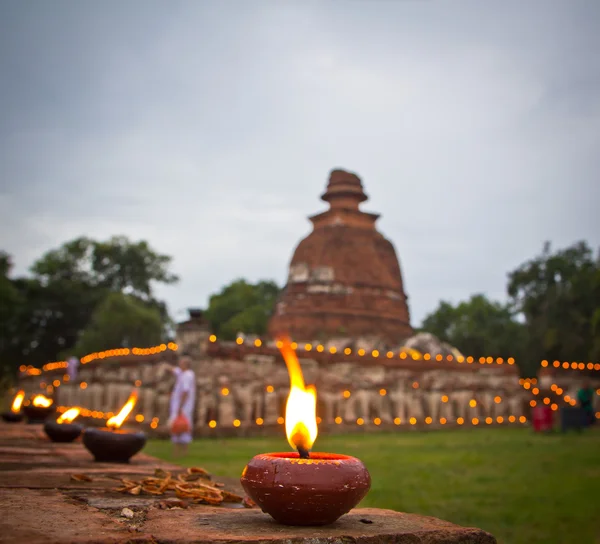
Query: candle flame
x=69, y=415
x=16, y=405
x=301, y=408
x=117, y=421
x=41, y=401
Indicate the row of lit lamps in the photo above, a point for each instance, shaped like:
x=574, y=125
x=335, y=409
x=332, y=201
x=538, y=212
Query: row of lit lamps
x=397, y=421
x=97, y=414
x=376, y=353
x=573, y=366
x=172, y=346
x=120, y=352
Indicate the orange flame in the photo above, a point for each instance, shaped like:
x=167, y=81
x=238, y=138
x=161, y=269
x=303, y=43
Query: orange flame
x=41, y=401
x=69, y=415
x=117, y=421
x=301, y=408
x=16, y=405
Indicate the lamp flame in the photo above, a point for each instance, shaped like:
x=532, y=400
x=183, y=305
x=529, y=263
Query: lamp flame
x=41, y=401
x=301, y=408
x=116, y=421
x=16, y=405
x=69, y=415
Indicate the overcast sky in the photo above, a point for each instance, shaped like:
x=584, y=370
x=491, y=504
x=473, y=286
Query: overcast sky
x=209, y=128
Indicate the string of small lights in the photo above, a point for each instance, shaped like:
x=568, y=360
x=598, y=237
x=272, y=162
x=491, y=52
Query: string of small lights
x=361, y=352
x=572, y=366
x=259, y=421
x=30, y=370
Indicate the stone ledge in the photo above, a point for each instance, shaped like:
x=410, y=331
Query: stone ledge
x=360, y=526
x=40, y=503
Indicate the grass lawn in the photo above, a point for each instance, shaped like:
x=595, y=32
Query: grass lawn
x=519, y=486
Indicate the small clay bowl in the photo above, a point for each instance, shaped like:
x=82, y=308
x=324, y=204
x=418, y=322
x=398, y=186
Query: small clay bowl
x=13, y=417
x=62, y=432
x=314, y=491
x=113, y=446
x=38, y=414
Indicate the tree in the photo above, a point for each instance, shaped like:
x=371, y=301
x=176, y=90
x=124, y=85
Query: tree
x=478, y=327
x=242, y=306
x=117, y=265
x=121, y=320
x=10, y=301
x=57, y=303
x=558, y=295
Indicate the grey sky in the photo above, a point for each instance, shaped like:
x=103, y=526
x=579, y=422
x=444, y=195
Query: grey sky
x=209, y=128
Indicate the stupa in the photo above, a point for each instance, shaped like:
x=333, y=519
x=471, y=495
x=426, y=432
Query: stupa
x=344, y=278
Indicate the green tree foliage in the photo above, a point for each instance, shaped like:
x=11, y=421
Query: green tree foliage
x=477, y=327
x=556, y=297
x=10, y=302
x=558, y=293
x=242, y=306
x=121, y=320
x=48, y=313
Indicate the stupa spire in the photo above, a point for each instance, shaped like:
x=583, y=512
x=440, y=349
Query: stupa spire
x=344, y=190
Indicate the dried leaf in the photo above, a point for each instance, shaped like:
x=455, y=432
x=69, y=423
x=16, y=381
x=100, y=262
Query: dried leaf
x=198, y=470
x=165, y=484
x=151, y=490
x=81, y=478
x=194, y=477
x=248, y=503
x=231, y=497
x=136, y=490
x=160, y=473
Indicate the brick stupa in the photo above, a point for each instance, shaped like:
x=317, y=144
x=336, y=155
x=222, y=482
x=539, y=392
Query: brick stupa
x=344, y=278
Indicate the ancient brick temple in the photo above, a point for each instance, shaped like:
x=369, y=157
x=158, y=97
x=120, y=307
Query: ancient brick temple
x=344, y=278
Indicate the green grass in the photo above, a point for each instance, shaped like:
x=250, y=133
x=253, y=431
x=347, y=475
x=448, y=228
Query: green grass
x=520, y=486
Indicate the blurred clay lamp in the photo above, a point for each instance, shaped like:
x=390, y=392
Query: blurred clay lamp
x=63, y=429
x=112, y=444
x=304, y=488
x=39, y=409
x=15, y=415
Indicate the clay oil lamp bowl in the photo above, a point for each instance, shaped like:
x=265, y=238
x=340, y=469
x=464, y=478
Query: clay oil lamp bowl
x=39, y=409
x=304, y=488
x=63, y=429
x=15, y=415
x=113, y=444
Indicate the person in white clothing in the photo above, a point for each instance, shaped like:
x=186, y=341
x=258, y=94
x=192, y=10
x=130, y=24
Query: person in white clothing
x=183, y=399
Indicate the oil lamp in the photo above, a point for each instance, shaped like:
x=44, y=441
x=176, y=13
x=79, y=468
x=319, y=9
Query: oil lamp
x=63, y=429
x=39, y=409
x=304, y=487
x=15, y=415
x=113, y=445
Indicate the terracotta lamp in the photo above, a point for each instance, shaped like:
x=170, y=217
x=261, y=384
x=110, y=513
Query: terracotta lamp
x=113, y=445
x=63, y=429
x=38, y=409
x=302, y=487
x=15, y=415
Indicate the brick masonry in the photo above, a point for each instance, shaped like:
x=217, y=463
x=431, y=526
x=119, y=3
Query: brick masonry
x=344, y=278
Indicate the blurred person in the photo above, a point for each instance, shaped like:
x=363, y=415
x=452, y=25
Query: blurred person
x=585, y=398
x=72, y=367
x=183, y=399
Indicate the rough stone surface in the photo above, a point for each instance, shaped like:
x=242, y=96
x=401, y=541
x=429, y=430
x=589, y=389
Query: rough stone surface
x=344, y=277
x=40, y=503
x=362, y=525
